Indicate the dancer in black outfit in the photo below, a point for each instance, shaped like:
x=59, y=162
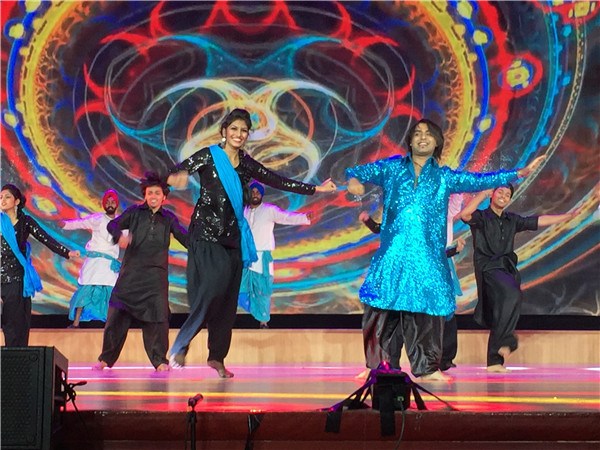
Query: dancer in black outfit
x=141, y=294
x=220, y=239
x=20, y=282
x=498, y=279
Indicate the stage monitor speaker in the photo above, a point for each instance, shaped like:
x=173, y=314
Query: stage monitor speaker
x=391, y=390
x=33, y=396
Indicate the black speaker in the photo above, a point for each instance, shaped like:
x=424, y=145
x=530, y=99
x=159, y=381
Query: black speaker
x=33, y=397
x=391, y=390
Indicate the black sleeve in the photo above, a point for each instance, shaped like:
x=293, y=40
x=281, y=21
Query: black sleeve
x=179, y=231
x=40, y=234
x=194, y=163
x=476, y=219
x=372, y=225
x=259, y=172
x=451, y=251
x=526, y=223
x=122, y=222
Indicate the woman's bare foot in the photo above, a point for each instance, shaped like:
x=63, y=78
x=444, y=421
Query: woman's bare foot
x=100, y=365
x=163, y=368
x=436, y=376
x=497, y=368
x=220, y=368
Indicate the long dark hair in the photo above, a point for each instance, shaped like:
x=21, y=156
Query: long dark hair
x=237, y=114
x=17, y=194
x=435, y=130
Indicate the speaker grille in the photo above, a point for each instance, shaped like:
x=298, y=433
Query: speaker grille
x=29, y=378
x=22, y=389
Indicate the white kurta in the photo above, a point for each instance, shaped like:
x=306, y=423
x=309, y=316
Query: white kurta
x=262, y=220
x=96, y=271
x=454, y=207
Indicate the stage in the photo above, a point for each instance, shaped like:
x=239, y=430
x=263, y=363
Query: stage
x=132, y=406
x=286, y=379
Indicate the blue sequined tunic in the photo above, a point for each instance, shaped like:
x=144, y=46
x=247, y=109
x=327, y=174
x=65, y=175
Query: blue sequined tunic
x=409, y=271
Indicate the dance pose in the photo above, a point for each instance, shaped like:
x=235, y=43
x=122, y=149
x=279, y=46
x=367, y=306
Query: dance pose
x=410, y=273
x=20, y=281
x=382, y=335
x=100, y=268
x=141, y=293
x=257, y=280
x=495, y=261
x=221, y=242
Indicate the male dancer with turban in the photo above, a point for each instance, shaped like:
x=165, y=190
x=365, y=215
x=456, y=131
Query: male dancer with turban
x=257, y=280
x=99, y=271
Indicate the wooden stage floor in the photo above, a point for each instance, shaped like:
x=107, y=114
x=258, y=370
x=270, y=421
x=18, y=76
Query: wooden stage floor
x=306, y=388
x=132, y=406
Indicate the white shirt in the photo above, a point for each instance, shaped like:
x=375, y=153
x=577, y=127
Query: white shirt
x=96, y=271
x=454, y=207
x=262, y=220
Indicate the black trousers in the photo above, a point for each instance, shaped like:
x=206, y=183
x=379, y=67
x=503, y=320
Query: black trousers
x=501, y=309
x=16, y=315
x=382, y=342
x=386, y=331
x=449, y=343
x=214, y=274
x=118, y=322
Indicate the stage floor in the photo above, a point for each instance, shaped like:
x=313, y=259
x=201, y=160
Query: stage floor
x=297, y=388
x=286, y=407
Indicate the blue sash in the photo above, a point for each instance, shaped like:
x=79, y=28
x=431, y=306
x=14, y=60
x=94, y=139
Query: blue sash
x=233, y=187
x=115, y=264
x=31, y=279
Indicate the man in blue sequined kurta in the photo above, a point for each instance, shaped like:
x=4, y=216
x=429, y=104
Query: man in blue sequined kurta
x=409, y=272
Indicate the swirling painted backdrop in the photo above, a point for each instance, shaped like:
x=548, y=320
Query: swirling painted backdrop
x=94, y=93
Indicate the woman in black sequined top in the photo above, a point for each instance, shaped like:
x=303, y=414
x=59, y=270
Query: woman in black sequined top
x=214, y=256
x=16, y=309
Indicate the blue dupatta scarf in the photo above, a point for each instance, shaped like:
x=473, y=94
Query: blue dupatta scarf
x=233, y=187
x=31, y=279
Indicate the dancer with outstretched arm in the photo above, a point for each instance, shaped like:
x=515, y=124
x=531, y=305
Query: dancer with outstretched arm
x=221, y=242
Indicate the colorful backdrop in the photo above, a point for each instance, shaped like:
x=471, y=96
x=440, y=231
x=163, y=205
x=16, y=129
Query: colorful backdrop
x=95, y=93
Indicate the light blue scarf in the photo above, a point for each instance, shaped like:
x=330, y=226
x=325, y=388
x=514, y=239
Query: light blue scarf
x=31, y=279
x=233, y=187
x=115, y=264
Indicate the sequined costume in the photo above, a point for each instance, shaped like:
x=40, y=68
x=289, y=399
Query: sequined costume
x=498, y=280
x=214, y=267
x=382, y=329
x=16, y=309
x=141, y=293
x=410, y=271
x=213, y=219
